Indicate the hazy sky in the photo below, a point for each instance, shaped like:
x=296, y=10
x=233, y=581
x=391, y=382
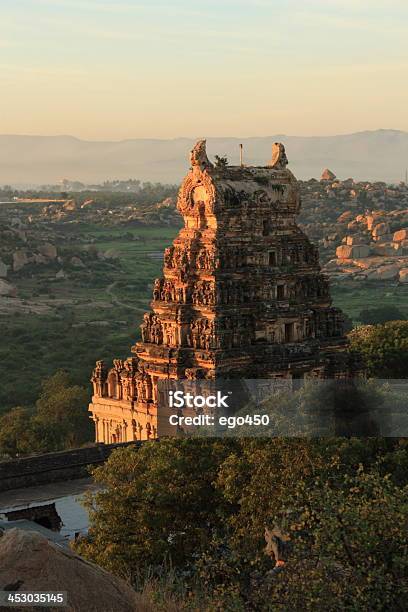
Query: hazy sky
x=120, y=69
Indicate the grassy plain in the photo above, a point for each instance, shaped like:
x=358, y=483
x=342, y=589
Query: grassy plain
x=353, y=297
x=93, y=313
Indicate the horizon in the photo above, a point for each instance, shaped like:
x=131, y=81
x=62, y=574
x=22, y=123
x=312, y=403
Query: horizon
x=30, y=160
x=212, y=136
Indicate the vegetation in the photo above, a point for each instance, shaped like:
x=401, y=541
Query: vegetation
x=354, y=298
x=184, y=520
x=384, y=348
x=200, y=507
x=110, y=194
x=58, y=421
x=371, y=316
x=221, y=161
x=104, y=295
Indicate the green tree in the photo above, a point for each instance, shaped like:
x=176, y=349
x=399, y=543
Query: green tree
x=202, y=505
x=16, y=435
x=157, y=504
x=320, y=493
x=350, y=544
x=61, y=418
x=373, y=316
x=384, y=348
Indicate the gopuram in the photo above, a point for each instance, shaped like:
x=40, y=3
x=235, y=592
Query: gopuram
x=241, y=296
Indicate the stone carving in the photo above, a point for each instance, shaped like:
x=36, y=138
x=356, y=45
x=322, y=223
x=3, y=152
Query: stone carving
x=204, y=294
x=279, y=160
x=198, y=156
x=98, y=379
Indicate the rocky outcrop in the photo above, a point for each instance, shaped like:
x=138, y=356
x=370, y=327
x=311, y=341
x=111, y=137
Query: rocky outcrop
x=3, y=269
x=403, y=275
x=20, y=259
x=387, y=272
x=76, y=262
x=352, y=252
x=43, y=255
x=327, y=175
x=401, y=235
x=347, y=212
x=371, y=246
x=7, y=290
x=48, y=250
x=29, y=562
x=70, y=205
x=380, y=230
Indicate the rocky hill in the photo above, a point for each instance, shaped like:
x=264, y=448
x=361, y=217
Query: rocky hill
x=361, y=228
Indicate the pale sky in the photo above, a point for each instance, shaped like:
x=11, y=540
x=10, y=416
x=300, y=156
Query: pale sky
x=104, y=69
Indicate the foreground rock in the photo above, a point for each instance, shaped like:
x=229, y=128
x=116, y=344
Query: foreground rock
x=29, y=562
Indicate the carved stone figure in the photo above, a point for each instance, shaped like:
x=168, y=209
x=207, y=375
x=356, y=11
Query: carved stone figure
x=279, y=160
x=198, y=156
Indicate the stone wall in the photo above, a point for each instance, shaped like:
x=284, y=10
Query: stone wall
x=53, y=467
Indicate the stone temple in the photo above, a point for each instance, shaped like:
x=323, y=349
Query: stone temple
x=241, y=296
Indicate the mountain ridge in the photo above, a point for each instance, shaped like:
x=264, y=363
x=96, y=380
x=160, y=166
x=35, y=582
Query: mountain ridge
x=34, y=159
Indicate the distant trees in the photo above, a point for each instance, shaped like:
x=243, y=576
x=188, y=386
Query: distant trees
x=372, y=316
x=59, y=420
x=16, y=432
x=62, y=413
x=384, y=348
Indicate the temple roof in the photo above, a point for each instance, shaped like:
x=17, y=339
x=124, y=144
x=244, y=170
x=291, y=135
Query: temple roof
x=199, y=158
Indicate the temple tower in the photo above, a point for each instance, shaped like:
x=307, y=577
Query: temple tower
x=242, y=295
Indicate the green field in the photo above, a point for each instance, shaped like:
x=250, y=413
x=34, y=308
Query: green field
x=353, y=297
x=94, y=313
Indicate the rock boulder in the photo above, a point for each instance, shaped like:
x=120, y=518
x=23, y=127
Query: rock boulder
x=403, y=275
x=387, y=272
x=380, y=230
x=7, y=290
x=401, y=235
x=29, y=560
x=327, y=175
x=20, y=259
x=48, y=250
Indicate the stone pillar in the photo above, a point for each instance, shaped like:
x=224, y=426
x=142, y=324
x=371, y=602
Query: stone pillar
x=96, y=421
x=134, y=430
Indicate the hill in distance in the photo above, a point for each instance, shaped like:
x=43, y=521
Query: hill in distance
x=35, y=160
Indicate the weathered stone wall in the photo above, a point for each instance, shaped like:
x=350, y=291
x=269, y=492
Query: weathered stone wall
x=53, y=467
